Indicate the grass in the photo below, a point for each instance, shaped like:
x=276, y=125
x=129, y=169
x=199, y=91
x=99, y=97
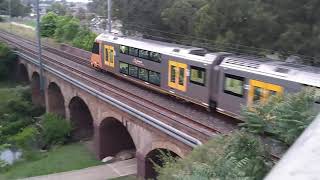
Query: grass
x=60, y=159
x=130, y=177
x=26, y=33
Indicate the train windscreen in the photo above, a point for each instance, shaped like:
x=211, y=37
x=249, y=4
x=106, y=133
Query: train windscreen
x=95, y=48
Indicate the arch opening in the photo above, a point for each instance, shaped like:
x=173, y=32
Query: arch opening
x=81, y=119
x=37, y=96
x=22, y=74
x=155, y=156
x=114, y=138
x=56, y=100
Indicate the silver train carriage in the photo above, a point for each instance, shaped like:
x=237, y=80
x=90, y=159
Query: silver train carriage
x=217, y=80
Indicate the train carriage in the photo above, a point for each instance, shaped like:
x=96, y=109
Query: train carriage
x=182, y=71
x=220, y=80
x=247, y=80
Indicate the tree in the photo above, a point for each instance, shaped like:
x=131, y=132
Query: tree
x=99, y=7
x=48, y=24
x=58, y=9
x=67, y=28
x=284, y=118
x=235, y=156
x=248, y=26
x=17, y=8
x=84, y=39
x=180, y=16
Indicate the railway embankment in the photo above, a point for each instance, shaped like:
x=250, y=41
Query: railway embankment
x=32, y=143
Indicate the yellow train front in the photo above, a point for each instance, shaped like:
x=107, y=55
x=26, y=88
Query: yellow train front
x=218, y=80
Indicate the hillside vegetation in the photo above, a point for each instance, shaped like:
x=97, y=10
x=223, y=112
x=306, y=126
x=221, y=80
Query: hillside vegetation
x=242, y=154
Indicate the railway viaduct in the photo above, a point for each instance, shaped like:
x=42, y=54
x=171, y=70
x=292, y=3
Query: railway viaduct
x=110, y=129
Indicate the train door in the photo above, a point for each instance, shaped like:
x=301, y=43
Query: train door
x=261, y=91
x=177, y=76
x=109, y=56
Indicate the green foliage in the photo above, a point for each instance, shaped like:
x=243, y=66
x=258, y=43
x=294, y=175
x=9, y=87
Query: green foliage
x=48, y=24
x=235, y=156
x=26, y=139
x=61, y=21
x=67, y=29
x=57, y=8
x=17, y=8
x=84, y=39
x=287, y=26
x=54, y=130
x=16, y=117
x=7, y=60
x=283, y=117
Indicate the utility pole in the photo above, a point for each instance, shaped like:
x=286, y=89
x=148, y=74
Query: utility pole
x=39, y=47
x=109, y=16
x=9, y=13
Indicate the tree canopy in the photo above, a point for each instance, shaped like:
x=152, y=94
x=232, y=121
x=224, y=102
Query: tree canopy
x=286, y=26
x=17, y=8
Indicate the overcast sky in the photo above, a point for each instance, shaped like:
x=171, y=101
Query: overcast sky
x=77, y=0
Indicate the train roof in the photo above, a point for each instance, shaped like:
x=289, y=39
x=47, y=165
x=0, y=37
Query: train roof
x=186, y=52
x=302, y=74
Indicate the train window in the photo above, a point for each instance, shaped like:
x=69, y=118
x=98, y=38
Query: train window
x=144, y=54
x=156, y=57
x=124, y=68
x=111, y=56
x=133, y=51
x=124, y=49
x=133, y=71
x=258, y=94
x=95, y=48
x=181, y=76
x=154, y=78
x=173, y=74
x=318, y=95
x=233, y=85
x=143, y=74
x=197, y=75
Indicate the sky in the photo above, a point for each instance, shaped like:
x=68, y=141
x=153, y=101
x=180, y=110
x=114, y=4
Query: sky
x=77, y=0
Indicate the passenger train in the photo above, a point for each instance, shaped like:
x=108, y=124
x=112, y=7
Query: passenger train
x=218, y=80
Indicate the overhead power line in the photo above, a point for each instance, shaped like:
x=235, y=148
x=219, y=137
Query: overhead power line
x=234, y=48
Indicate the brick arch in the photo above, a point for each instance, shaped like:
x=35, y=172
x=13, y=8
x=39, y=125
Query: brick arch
x=37, y=95
x=81, y=118
x=22, y=73
x=56, y=100
x=152, y=155
x=113, y=138
x=163, y=145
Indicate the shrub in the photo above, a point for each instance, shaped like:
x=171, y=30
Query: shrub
x=26, y=139
x=284, y=118
x=54, y=130
x=66, y=28
x=84, y=39
x=7, y=60
x=48, y=24
x=235, y=156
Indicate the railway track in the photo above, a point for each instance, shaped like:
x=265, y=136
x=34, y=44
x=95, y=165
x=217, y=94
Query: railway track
x=178, y=119
x=174, y=118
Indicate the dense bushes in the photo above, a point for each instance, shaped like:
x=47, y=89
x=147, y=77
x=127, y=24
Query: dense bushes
x=20, y=125
x=242, y=155
x=67, y=29
x=7, y=60
x=55, y=130
x=284, y=118
x=235, y=156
